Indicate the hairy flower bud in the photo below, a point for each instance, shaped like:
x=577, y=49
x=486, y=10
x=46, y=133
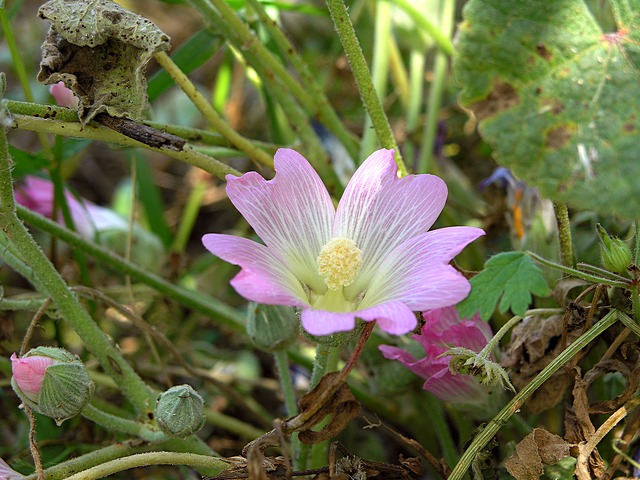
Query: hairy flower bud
x=52, y=381
x=271, y=327
x=180, y=411
x=615, y=254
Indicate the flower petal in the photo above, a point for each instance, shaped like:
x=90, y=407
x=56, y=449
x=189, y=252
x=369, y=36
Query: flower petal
x=292, y=213
x=393, y=317
x=379, y=211
x=418, y=274
x=7, y=473
x=263, y=278
x=323, y=322
x=452, y=388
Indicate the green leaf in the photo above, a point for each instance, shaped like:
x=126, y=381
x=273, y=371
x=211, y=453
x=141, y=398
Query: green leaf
x=509, y=278
x=556, y=97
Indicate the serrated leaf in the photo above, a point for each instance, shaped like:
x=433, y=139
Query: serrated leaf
x=508, y=280
x=557, y=97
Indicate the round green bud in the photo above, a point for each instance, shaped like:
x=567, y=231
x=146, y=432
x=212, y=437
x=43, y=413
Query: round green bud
x=615, y=254
x=271, y=327
x=63, y=388
x=180, y=411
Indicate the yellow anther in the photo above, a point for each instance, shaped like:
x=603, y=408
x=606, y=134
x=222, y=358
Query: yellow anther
x=339, y=262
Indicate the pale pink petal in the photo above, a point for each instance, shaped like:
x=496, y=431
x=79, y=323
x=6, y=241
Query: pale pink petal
x=404, y=357
x=292, y=213
x=322, y=322
x=36, y=194
x=379, y=211
x=7, y=473
x=393, y=317
x=418, y=273
x=263, y=278
x=454, y=388
x=28, y=372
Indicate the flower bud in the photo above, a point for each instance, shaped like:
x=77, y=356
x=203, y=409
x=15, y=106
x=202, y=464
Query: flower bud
x=271, y=327
x=180, y=411
x=615, y=254
x=52, y=382
x=64, y=96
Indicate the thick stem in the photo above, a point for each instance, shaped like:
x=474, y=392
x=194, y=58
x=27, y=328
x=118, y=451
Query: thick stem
x=210, y=113
x=151, y=458
x=123, y=425
x=368, y=94
x=564, y=232
x=54, y=287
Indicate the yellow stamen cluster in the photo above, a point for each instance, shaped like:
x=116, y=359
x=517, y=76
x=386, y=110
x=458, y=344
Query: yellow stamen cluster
x=339, y=262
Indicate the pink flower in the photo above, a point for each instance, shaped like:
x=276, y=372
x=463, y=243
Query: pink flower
x=373, y=258
x=37, y=194
x=28, y=373
x=64, y=96
x=7, y=473
x=442, y=330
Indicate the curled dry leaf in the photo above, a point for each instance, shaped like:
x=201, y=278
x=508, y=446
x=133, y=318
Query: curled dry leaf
x=536, y=450
x=342, y=406
x=99, y=50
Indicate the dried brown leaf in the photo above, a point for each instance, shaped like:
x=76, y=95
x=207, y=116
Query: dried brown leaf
x=536, y=450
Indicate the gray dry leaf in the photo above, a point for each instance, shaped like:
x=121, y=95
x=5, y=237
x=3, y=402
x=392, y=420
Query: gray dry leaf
x=99, y=50
x=536, y=450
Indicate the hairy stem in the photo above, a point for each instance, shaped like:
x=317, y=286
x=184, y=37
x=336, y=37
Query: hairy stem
x=368, y=94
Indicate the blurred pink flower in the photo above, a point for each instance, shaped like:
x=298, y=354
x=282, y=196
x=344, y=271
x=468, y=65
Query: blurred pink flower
x=64, y=96
x=442, y=330
x=373, y=258
x=88, y=218
x=28, y=373
x=7, y=473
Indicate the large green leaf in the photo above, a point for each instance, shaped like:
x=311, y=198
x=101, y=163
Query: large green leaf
x=557, y=97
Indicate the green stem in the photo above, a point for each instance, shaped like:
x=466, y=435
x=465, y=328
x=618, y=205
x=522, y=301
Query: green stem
x=493, y=343
x=218, y=311
x=564, y=232
x=440, y=67
x=286, y=382
x=492, y=428
x=53, y=286
x=379, y=69
x=116, y=423
x=368, y=94
x=326, y=113
x=441, y=38
x=64, y=470
x=577, y=273
x=290, y=401
x=436, y=417
x=189, y=215
x=232, y=424
x=151, y=458
x=277, y=81
x=73, y=129
x=210, y=113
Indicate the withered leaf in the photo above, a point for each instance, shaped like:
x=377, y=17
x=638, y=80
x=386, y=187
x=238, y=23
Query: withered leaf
x=342, y=406
x=99, y=50
x=537, y=449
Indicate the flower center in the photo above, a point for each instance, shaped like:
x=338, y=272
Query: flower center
x=339, y=262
